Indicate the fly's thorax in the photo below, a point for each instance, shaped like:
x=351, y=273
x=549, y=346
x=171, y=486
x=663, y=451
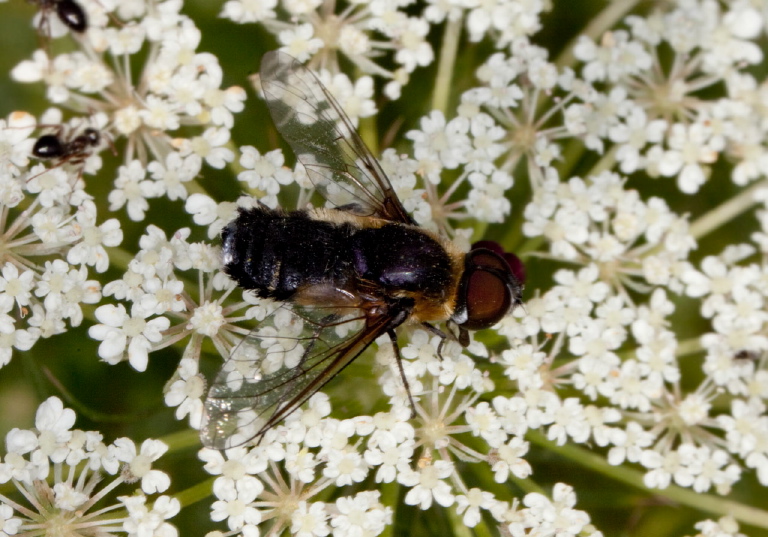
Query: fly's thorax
x=405, y=261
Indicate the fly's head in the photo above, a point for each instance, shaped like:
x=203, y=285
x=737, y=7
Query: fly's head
x=491, y=285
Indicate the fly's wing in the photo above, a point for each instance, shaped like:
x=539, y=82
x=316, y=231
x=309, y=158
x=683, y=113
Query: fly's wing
x=325, y=141
x=289, y=356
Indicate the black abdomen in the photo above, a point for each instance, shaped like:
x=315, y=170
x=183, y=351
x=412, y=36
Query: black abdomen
x=275, y=253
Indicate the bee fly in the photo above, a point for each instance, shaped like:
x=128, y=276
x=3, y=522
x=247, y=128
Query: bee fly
x=343, y=275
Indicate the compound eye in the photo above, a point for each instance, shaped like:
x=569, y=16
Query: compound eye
x=488, y=291
x=488, y=300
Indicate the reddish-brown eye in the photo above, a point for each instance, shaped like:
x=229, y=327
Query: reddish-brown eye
x=488, y=290
x=517, y=267
x=488, y=300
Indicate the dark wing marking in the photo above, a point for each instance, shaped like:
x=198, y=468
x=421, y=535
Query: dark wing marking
x=290, y=356
x=325, y=141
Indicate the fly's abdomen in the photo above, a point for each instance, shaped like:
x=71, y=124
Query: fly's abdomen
x=275, y=253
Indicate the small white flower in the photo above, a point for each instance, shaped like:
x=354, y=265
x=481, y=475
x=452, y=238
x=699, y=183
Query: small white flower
x=508, y=458
x=235, y=504
x=119, y=332
x=210, y=147
x=90, y=250
x=187, y=392
x=300, y=42
x=144, y=521
x=310, y=520
x=469, y=505
x=8, y=524
x=264, y=172
x=205, y=211
x=159, y=114
x=345, y=467
x=248, y=11
x=300, y=463
x=557, y=515
x=361, y=514
x=176, y=171
x=139, y=465
x=15, y=287
x=133, y=190
x=207, y=319
x=428, y=484
x=689, y=148
x=446, y=144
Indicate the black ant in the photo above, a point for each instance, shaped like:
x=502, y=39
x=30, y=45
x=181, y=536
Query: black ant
x=70, y=13
x=50, y=146
x=62, y=149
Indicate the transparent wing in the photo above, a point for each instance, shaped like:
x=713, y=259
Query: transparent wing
x=289, y=356
x=325, y=141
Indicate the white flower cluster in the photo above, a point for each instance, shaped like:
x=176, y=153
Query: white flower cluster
x=634, y=242
x=51, y=233
x=678, y=133
x=155, y=291
x=598, y=356
x=180, y=87
x=471, y=144
x=274, y=483
x=364, y=31
x=59, y=470
x=51, y=241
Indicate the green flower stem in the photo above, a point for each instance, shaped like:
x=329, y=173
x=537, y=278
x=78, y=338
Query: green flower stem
x=234, y=165
x=119, y=258
x=606, y=163
x=716, y=505
x=688, y=347
x=60, y=389
x=34, y=374
x=527, y=485
x=727, y=211
x=368, y=131
x=527, y=247
x=194, y=187
x=458, y=527
x=195, y=493
x=572, y=156
x=610, y=16
x=182, y=440
x=447, y=61
x=478, y=230
x=390, y=492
